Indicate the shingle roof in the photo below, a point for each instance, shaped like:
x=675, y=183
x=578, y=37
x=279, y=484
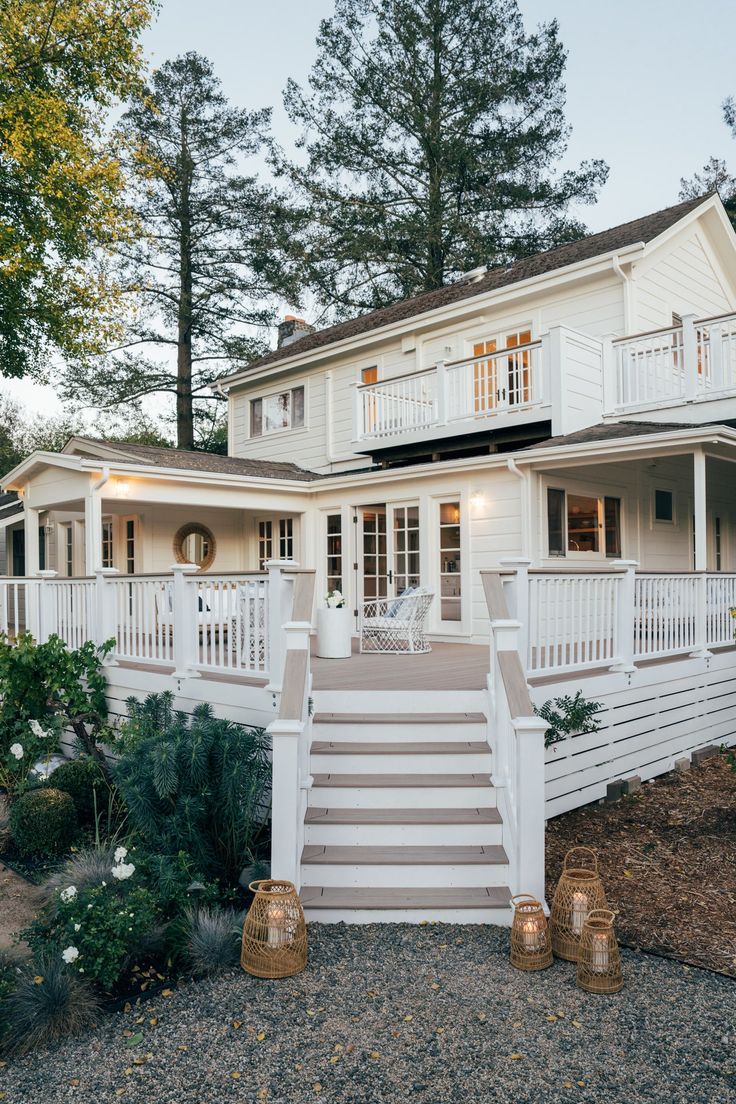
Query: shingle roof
x=195, y=461
x=610, y=431
x=607, y=241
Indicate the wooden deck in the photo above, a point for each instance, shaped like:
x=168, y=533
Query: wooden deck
x=446, y=667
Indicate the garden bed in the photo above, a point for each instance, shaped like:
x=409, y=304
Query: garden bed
x=668, y=862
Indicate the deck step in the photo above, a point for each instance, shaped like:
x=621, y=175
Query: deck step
x=426, y=747
x=412, y=827
x=403, y=816
x=399, y=718
x=362, y=905
x=490, y=855
x=379, y=758
x=403, y=781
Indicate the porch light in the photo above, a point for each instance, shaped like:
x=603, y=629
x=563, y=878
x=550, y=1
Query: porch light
x=477, y=501
x=274, y=934
x=579, y=892
x=599, y=959
x=123, y=488
x=531, y=947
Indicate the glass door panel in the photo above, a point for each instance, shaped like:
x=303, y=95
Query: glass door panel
x=373, y=541
x=405, y=548
x=450, y=562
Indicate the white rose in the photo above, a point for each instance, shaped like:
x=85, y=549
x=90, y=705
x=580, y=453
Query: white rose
x=16, y=750
x=77, y=927
x=70, y=954
x=120, y=854
x=123, y=871
x=69, y=893
x=35, y=727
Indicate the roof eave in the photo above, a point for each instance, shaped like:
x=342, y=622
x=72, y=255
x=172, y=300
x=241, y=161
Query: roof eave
x=698, y=435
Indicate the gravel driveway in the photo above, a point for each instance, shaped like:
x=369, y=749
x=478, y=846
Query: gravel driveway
x=428, y=1014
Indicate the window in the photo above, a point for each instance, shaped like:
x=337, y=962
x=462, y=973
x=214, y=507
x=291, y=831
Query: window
x=265, y=542
x=450, y=584
x=334, y=552
x=19, y=551
x=41, y=548
x=69, y=550
x=107, y=556
x=286, y=538
x=664, y=507
x=717, y=544
x=274, y=412
x=588, y=524
x=130, y=546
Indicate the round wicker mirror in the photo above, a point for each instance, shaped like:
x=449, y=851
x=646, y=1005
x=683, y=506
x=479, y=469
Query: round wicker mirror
x=195, y=544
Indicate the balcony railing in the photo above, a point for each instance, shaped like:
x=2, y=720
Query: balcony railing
x=480, y=387
x=691, y=362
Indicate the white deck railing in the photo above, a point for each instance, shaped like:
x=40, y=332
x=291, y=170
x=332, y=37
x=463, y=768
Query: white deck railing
x=685, y=363
x=494, y=383
x=666, y=615
x=572, y=620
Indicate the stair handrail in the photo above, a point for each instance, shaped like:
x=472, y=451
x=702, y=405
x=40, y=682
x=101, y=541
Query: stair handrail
x=517, y=743
x=290, y=735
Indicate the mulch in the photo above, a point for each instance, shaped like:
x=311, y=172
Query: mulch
x=667, y=857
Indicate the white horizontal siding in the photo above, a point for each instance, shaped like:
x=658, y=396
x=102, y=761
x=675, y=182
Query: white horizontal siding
x=684, y=279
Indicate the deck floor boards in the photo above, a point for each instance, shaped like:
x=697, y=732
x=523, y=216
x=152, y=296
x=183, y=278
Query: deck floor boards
x=446, y=667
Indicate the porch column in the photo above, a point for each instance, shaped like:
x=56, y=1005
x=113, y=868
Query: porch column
x=700, y=510
x=92, y=532
x=31, y=522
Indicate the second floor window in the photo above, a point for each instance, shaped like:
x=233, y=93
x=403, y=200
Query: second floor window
x=271, y=413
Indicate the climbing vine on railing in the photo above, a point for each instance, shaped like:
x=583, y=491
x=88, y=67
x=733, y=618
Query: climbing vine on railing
x=568, y=716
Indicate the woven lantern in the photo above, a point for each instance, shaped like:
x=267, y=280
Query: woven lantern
x=274, y=933
x=599, y=960
x=531, y=947
x=579, y=890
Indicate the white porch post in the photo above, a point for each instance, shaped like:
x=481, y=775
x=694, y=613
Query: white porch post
x=106, y=627
x=443, y=396
x=42, y=620
x=690, y=356
x=185, y=621
x=279, y=612
x=31, y=522
x=92, y=532
x=519, y=604
x=610, y=376
x=700, y=515
x=624, y=615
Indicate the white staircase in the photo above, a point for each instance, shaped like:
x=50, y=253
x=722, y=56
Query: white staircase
x=402, y=822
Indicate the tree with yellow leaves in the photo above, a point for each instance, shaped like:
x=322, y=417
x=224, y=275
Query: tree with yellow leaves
x=63, y=64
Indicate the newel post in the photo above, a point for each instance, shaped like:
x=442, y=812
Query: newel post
x=41, y=618
x=279, y=604
x=106, y=618
x=518, y=591
x=185, y=621
x=690, y=356
x=625, y=604
x=504, y=638
x=443, y=394
x=530, y=758
x=611, y=397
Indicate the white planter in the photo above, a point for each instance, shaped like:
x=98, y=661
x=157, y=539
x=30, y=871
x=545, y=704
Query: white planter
x=334, y=639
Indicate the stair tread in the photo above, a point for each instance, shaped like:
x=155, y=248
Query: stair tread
x=443, y=897
x=403, y=816
x=399, y=718
x=354, y=781
x=426, y=747
x=351, y=855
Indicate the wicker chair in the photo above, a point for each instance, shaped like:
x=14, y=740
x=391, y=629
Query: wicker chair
x=396, y=624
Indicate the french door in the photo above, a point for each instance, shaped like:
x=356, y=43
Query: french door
x=387, y=560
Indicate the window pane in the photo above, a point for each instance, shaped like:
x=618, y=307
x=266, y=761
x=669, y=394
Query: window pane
x=664, y=506
x=256, y=418
x=276, y=412
x=612, y=510
x=297, y=407
x=582, y=524
x=555, y=522
x=449, y=513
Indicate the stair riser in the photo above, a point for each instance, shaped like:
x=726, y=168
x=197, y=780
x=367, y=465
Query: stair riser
x=463, y=876
x=400, y=701
x=462, y=763
x=415, y=835
x=400, y=797
x=501, y=917
x=397, y=733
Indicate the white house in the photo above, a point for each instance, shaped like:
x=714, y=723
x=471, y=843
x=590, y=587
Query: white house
x=548, y=449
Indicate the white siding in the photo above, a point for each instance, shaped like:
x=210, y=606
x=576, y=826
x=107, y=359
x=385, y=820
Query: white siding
x=684, y=278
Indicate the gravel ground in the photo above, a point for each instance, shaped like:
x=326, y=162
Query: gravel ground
x=432, y=1014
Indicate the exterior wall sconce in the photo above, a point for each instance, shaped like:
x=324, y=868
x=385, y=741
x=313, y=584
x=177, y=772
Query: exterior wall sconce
x=123, y=488
x=477, y=501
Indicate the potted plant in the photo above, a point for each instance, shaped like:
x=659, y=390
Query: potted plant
x=333, y=628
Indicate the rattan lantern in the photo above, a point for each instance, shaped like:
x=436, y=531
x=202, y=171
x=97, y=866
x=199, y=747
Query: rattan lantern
x=599, y=960
x=531, y=947
x=579, y=890
x=274, y=933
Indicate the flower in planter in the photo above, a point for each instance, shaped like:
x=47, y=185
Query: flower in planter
x=70, y=954
x=335, y=600
x=16, y=750
x=69, y=893
x=123, y=871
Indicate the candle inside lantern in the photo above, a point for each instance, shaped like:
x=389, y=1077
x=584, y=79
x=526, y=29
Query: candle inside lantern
x=276, y=919
x=579, y=910
x=599, y=956
x=531, y=932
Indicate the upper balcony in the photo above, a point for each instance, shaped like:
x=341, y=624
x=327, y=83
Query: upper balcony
x=685, y=372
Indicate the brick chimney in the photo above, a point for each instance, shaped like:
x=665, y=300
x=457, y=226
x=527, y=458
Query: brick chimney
x=291, y=329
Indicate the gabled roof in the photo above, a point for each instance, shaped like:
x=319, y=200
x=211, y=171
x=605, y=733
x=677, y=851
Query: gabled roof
x=182, y=459
x=639, y=231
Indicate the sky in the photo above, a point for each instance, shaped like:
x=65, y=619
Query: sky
x=645, y=81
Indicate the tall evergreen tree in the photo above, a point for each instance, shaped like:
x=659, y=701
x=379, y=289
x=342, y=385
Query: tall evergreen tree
x=432, y=130
x=715, y=175
x=199, y=276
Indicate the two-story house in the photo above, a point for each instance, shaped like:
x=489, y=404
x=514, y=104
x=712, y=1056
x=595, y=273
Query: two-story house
x=563, y=426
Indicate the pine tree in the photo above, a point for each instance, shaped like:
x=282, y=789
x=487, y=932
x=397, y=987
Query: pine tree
x=200, y=273
x=432, y=130
x=715, y=175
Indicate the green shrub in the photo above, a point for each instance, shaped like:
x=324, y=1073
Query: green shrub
x=90, y=866
x=82, y=779
x=197, y=785
x=43, y=822
x=568, y=716
x=47, y=1003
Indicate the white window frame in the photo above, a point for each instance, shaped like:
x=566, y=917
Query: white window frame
x=263, y=396
x=583, y=490
x=670, y=523
x=461, y=627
